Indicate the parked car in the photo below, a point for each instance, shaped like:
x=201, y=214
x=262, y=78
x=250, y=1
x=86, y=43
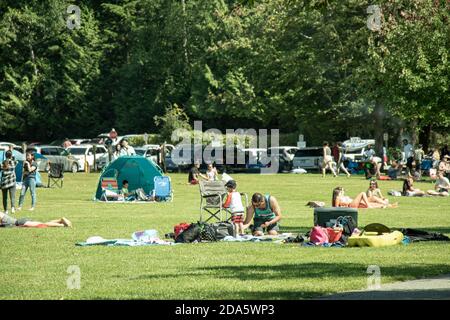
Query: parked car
x=77, y=142
x=284, y=157
x=85, y=152
x=354, y=155
x=308, y=158
x=286, y=151
x=6, y=145
x=54, y=154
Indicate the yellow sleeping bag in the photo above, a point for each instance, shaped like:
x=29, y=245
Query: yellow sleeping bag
x=375, y=235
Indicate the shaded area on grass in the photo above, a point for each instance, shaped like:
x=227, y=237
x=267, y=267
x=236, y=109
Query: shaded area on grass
x=300, y=272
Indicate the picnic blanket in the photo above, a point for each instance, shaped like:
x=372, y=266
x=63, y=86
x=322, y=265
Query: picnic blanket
x=250, y=238
x=138, y=238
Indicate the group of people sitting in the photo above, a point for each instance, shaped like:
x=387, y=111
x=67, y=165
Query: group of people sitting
x=441, y=187
x=372, y=198
x=195, y=175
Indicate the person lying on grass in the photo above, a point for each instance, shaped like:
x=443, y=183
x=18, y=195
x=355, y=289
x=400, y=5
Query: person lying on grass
x=8, y=221
x=374, y=194
x=409, y=190
x=266, y=213
x=442, y=186
x=339, y=199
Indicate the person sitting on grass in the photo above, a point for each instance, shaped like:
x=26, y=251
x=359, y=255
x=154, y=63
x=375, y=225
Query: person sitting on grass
x=124, y=193
x=371, y=158
x=234, y=203
x=339, y=199
x=409, y=190
x=395, y=170
x=374, y=195
x=442, y=186
x=195, y=175
x=211, y=173
x=8, y=221
x=266, y=213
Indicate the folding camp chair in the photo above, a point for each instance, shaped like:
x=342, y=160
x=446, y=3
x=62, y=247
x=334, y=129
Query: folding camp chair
x=163, y=188
x=212, y=194
x=212, y=198
x=110, y=189
x=55, y=175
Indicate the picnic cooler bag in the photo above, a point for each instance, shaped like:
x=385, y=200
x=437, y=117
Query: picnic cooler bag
x=324, y=215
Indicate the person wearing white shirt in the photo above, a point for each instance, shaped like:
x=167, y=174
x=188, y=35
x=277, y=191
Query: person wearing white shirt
x=127, y=150
x=408, y=150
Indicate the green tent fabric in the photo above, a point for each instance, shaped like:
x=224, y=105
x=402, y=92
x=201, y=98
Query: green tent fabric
x=137, y=170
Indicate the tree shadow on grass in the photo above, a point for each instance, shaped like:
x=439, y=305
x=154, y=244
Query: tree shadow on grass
x=337, y=272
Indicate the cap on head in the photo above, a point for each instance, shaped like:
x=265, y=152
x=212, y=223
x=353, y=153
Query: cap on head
x=231, y=184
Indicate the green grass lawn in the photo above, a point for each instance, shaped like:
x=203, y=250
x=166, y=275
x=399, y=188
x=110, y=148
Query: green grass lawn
x=34, y=262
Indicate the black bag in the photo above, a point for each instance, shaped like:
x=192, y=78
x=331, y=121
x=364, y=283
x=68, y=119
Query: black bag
x=222, y=230
x=191, y=234
x=207, y=232
x=348, y=225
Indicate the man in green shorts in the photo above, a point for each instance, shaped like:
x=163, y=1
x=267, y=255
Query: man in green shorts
x=265, y=213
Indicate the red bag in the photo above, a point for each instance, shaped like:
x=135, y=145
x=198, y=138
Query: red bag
x=318, y=235
x=179, y=228
x=334, y=234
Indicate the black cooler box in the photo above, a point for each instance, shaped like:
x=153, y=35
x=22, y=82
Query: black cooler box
x=324, y=215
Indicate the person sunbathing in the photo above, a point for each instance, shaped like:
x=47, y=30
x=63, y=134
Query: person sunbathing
x=339, y=199
x=8, y=221
x=374, y=195
x=409, y=190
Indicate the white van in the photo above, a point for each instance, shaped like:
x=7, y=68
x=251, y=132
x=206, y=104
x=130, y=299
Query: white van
x=308, y=158
x=85, y=152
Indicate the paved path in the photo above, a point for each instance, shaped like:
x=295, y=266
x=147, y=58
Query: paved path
x=431, y=288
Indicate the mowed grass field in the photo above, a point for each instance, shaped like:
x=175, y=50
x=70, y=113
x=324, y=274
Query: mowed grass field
x=34, y=262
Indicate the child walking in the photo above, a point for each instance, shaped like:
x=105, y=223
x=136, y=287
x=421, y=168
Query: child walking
x=234, y=203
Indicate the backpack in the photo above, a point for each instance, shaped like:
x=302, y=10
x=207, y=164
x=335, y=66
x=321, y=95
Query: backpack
x=179, y=228
x=191, y=234
x=222, y=230
x=347, y=223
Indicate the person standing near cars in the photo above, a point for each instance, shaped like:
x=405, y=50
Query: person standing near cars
x=340, y=160
x=29, y=181
x=67, y=143
x=127, y=150
x=327, y=160
x=408, y=150
x=8, y=181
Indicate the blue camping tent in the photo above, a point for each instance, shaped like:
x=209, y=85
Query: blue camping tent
x=137, y=170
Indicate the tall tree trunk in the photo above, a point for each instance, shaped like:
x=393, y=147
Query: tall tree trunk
x=425, y=137
x=378, y=115
x=183, y=5
x=413, y=129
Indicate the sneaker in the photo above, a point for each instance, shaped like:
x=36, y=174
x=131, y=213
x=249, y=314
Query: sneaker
x=31, y=209
x=19, y=208
x=6, y=212
x=13, y=210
